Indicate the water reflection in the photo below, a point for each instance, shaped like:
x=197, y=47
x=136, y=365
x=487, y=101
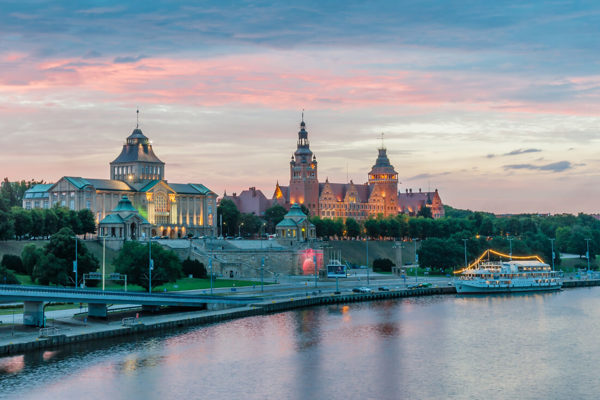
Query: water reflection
x=525, y=346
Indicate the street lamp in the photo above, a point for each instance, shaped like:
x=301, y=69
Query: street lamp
x=75, y=262
x=103, y=259
x=150, y=265
x=211, y=275
x=240, y=229
x=552, y=244
x=510, y=243
x=367, y=242
x=315, y=262
x=416, y=261
x=466, y=262
x=587, y=254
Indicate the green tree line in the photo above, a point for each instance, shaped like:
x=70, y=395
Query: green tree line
x=18, y=223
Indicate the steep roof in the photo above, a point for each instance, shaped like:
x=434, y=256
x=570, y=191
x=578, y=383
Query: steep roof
x=137, y=148
x=142, y=153
x=413, y=201
x=339, y=190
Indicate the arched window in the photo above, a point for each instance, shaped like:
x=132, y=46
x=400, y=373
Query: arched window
x=160, y=202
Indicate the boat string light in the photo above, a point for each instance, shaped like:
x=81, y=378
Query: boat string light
x=485, y=253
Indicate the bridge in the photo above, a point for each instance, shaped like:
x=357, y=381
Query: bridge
x=34, y=298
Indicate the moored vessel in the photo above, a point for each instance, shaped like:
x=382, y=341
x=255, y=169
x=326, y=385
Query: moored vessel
x=518, y=274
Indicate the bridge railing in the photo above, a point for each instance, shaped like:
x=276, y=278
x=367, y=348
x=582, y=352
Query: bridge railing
x=112, y=294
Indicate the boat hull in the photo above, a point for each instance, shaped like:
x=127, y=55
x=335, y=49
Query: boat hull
x=465, y=287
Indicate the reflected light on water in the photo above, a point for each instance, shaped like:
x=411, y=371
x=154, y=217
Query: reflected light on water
x=440, y=347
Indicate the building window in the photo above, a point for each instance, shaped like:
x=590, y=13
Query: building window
x=88, y=204
x=160, y=202
x=45, y=203
x=28, y=205
x=72, y=205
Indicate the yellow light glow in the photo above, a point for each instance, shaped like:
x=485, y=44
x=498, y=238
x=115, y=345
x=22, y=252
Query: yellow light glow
x=497, y=253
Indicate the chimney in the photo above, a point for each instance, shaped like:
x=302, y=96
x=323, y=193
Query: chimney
x=410, y=190
x=419, y=190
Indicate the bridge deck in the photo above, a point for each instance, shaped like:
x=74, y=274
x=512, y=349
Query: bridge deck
x=50, y=294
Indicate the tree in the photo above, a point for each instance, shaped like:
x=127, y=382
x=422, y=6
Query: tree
x=194, y=268
x=74, y=223
x=383, y=265
x=30, y=256
x=250, y=224
x=352, y=227
x=425, y=212
x=305, y=210
x=6, y=225
x=87, y=221
x=13, y=262
x=230, y=214
x=274, y=215
x=563, y=236
x=372, y=228
x=440, y=253
x=12, y=192
x=37, y=223
x=22, y=221
x=7, y=277
x=133, y=261
x=50, y=222
x=56, y=263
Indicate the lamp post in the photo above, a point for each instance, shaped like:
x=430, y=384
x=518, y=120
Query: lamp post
x=510, y=243
x=103, y=260
x=416, y=261
x=367, y=242
x=466, y=262
x=315, y=262
x=587, y=254
x=75, y=262
x=240, y=229
x=211, y=275
x=552, y=244
x=262, y=276
x=150, y=265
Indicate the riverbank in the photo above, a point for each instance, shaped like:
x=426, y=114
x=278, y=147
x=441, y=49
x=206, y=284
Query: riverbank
x=65, y=333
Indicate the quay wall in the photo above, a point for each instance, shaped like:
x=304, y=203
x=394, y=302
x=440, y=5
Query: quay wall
x=263, y=308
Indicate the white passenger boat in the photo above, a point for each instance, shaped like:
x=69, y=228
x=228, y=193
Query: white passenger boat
x=519, y=274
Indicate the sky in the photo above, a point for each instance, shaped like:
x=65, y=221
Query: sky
x=495, y=104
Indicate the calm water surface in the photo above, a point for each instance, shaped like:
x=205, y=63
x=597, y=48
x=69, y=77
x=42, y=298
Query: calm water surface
x=535, y=346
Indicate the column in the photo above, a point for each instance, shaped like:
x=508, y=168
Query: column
x=97, y=310
x=33, y=313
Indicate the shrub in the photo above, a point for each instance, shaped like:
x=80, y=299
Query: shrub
x=194, y=268
x=14, y=263
x=7, y=277
x=383, y=265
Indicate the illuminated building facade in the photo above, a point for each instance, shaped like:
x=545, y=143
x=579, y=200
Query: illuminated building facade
x=379, y=196
x=172, y=209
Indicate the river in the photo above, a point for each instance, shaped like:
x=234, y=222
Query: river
x=527, y=346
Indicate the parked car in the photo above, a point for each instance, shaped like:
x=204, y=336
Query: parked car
x=362, y=289
x=420, y=285
x=383, y=289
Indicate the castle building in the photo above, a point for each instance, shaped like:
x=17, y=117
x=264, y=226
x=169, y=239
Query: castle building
x=172, y=209
x=378, y=196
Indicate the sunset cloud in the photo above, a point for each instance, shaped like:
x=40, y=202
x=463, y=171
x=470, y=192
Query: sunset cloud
x=457, y=88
